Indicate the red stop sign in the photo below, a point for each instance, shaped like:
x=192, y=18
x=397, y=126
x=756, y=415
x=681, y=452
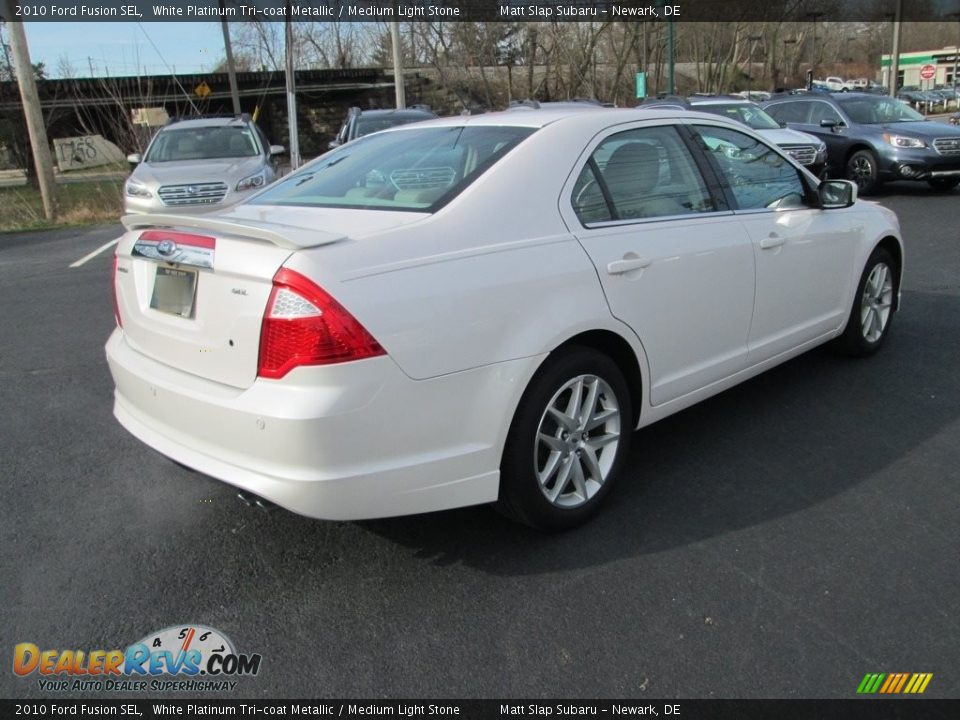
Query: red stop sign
x=927, y=72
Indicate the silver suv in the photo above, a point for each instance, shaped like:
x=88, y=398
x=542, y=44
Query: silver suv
x=200, y=165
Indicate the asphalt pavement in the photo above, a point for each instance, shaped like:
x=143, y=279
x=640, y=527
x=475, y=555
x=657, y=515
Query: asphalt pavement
x=779, y=540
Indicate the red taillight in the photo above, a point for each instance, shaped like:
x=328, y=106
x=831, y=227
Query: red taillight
x=303, y=325
x=116, y=302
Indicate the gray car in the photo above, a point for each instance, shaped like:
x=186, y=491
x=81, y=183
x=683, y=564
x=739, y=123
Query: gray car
x=872, y=139
x=805, y=149
x=200, y=165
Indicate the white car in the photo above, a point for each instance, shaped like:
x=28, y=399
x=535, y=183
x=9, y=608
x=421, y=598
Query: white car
x=484, y=308
x=837, y=84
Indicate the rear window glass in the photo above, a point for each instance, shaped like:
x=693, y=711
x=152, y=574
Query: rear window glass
x=416, y=169
x=203, y=143
x=368, y=125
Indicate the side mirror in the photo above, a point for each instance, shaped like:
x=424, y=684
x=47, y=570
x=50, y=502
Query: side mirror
x=277, y=150
x=835, y=194
x=134, y=158
x=333, y=145
x=782, y=124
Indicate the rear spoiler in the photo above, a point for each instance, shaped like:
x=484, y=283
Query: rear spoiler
x=290, y=237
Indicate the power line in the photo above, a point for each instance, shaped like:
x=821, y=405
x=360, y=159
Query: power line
x=172, y=73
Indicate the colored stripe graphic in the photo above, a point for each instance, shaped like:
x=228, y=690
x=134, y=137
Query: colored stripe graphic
x=894, y=683
x=870, y=683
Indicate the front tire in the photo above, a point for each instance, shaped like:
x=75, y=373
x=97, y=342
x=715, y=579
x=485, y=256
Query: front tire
x=873, y=306
x=863, y=170
x=567, y=441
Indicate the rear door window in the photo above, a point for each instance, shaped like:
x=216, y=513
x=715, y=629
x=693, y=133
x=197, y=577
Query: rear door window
x=641, y=173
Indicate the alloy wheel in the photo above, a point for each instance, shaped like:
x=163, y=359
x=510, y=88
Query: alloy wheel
x=876, y=302
x=576, y=442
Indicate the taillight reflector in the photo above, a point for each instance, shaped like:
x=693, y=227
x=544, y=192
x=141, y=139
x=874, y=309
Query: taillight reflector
x=116, y=300
x=304, y=325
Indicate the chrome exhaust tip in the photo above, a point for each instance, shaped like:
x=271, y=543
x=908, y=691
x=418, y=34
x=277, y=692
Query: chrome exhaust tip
x=256, y=501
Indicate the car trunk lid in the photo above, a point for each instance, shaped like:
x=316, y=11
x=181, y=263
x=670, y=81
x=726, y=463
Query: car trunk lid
x=191, y=291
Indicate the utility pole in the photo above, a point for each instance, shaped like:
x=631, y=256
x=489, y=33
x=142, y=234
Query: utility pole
x=231, y=68
x=670, y=58
x=291, y=96
x=814, y=16
x=397, y=65
x=895, y=52
x=42, y=161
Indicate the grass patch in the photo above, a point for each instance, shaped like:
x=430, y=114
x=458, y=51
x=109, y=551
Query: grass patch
x=81, y=203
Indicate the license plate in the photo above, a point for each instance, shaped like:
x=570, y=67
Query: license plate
x=174, y=291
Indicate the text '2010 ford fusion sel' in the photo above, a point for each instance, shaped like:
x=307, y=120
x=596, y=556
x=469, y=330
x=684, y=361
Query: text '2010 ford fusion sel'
x=483, y=309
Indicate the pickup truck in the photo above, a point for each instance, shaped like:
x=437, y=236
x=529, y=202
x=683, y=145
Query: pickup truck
x=836, y=84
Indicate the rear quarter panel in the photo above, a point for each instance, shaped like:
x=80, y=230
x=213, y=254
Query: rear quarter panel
x=493, y=276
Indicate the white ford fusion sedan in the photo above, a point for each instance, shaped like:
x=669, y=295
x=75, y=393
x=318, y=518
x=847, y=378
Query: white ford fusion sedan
x=483, y=309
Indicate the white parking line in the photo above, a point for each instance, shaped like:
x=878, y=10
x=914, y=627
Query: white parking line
x=96, y=252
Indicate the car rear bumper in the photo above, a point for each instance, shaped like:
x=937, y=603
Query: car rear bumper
x=341, y=442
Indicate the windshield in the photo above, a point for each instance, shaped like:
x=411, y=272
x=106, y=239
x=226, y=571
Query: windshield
x=203, y=143
x=416, y=169
x=877, y=110
x=749, y=115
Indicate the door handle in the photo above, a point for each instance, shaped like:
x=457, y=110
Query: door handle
x=618, y=267
x=773, y=241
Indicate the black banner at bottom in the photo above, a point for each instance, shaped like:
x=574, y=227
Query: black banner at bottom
x=854, y=709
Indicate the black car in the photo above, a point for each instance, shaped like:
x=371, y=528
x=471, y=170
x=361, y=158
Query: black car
x=364, y=122
x=872, y=139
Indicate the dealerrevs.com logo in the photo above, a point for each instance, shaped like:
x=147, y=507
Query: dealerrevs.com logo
x=185, y=658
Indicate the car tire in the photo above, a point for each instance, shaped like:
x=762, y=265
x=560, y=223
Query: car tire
x=567, y=442
x=943, y=184
x=862, y=169
x=873, y=306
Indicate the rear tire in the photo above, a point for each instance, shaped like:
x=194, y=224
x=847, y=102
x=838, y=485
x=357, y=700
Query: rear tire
x=873, y=306
x=567, y=441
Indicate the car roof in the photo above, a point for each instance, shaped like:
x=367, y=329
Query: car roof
x=394, y=112
x=829, y=97
x=208, y=122
x=719, y=100
x=600, y=117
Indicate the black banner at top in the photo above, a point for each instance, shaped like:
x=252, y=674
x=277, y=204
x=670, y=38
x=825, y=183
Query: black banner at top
x=484, y=10
x=490, y=709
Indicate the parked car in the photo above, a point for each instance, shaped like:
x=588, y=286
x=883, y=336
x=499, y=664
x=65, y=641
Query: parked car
x=807, y=150
x=755, y=95
x=482, y=309
x=872, y=139
x=913, y=98
x=950, y=92
x=200, y=165
x=837, y=84
x=364, y=122
x=575, y=104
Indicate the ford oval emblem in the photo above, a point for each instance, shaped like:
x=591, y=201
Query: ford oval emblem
x=166, y=247
x=192, y=189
